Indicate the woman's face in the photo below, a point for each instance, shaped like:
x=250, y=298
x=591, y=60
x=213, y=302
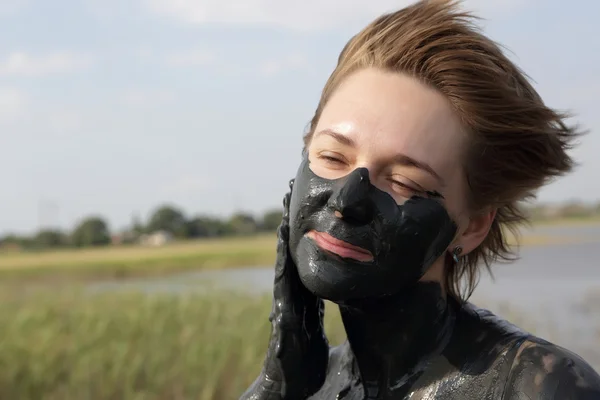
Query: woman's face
x=403, y=132
x=381, y=196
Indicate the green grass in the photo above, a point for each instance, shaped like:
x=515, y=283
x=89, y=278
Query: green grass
x=66, y=345
x=130, y=261
x=61, y=344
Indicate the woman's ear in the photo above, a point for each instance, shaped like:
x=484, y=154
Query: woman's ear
x=477, y=230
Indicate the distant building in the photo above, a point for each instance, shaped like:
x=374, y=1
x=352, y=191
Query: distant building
x=158, y=238
x=123, y=238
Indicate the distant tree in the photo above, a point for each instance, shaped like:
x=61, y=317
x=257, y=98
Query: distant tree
x=16, y=242
x=242, y=224
x=49, y=238
x=271, y=220
x=205, y=226
x=575, y=209
x=92, y=231
x=535, y=211
x=170, y=219
x=137, y=227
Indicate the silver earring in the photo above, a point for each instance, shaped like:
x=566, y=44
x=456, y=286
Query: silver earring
x=455, y=253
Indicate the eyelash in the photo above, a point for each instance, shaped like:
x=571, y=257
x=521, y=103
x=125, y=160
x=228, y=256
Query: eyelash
x=421, y=192
x=428, y=193
x=405, y=186
x=330, y=159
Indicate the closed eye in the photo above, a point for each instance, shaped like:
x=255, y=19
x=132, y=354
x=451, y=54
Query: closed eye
x=401, y=186
x=332, y=160
x=414, y=189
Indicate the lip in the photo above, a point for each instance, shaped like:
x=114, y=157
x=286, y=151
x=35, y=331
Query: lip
x=336, y=246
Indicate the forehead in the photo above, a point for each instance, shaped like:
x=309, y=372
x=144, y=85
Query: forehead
x=389, y=113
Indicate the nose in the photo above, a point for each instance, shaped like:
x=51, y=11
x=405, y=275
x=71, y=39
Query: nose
x=351, y=197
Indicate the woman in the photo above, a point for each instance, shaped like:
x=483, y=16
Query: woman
x=425, y=139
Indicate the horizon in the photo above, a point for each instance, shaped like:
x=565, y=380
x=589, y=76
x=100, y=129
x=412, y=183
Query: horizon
x=108, y=108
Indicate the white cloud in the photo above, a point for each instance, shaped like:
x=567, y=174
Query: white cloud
x=13, y=104
x=267, y=68
x=308, y=15
x=191, y=58
x=11, y=7
x=290, y=62
x=19, y=111
x=138, y=98
x=23, y=64
x=105, y=9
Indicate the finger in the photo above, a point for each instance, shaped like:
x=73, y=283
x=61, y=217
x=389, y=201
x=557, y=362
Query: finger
x=286, y=199
x=284, y=236
x=286, y=202
x=279, y=347
x=288, y=327
x=282, y=250
x=286, y=207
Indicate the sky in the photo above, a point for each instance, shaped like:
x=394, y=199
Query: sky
x=113, y=107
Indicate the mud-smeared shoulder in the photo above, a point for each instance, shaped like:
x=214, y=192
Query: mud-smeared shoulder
x=486, y=358
x=490, y=358
x=545, y=371
x=476, y=362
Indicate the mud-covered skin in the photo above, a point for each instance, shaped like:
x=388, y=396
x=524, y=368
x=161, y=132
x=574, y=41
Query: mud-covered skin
x=542, y=370
x=485, y=358
x=404, y=239
x=297, y=354
x=406, y=339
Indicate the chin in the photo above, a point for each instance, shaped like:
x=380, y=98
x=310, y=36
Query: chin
x=333, y=278
x=319, y=273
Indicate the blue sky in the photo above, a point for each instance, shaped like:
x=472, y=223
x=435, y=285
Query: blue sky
x=114, y=106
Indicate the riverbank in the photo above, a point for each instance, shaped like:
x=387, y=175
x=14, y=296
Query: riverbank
x=571, y=221
x=118, y=262
x=121, y=262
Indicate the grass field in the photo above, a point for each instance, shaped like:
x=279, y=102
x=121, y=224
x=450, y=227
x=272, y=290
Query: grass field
x=129, y=261
x=117, y=262
x=59, y=343
x=126, y=346
x=70, y=346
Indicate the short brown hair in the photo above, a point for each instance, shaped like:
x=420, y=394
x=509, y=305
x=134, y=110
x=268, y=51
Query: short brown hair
x=516, y=142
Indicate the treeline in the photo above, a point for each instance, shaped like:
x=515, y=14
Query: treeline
x=170, y=220
x=165, y=220
x=569, y=210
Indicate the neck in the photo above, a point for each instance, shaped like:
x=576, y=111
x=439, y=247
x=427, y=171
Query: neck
x=393, y=339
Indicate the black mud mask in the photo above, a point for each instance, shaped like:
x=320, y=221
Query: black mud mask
x=404, y=240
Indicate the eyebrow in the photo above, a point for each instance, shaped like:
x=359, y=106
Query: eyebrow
x=400, y=159
x=343, y=139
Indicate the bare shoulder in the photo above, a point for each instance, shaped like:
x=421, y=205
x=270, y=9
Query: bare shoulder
x=544, y=371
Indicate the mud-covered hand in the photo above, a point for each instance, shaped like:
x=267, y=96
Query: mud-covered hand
x=298, y=351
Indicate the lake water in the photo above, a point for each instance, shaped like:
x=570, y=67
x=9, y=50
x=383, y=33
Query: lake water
x=552, y=290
